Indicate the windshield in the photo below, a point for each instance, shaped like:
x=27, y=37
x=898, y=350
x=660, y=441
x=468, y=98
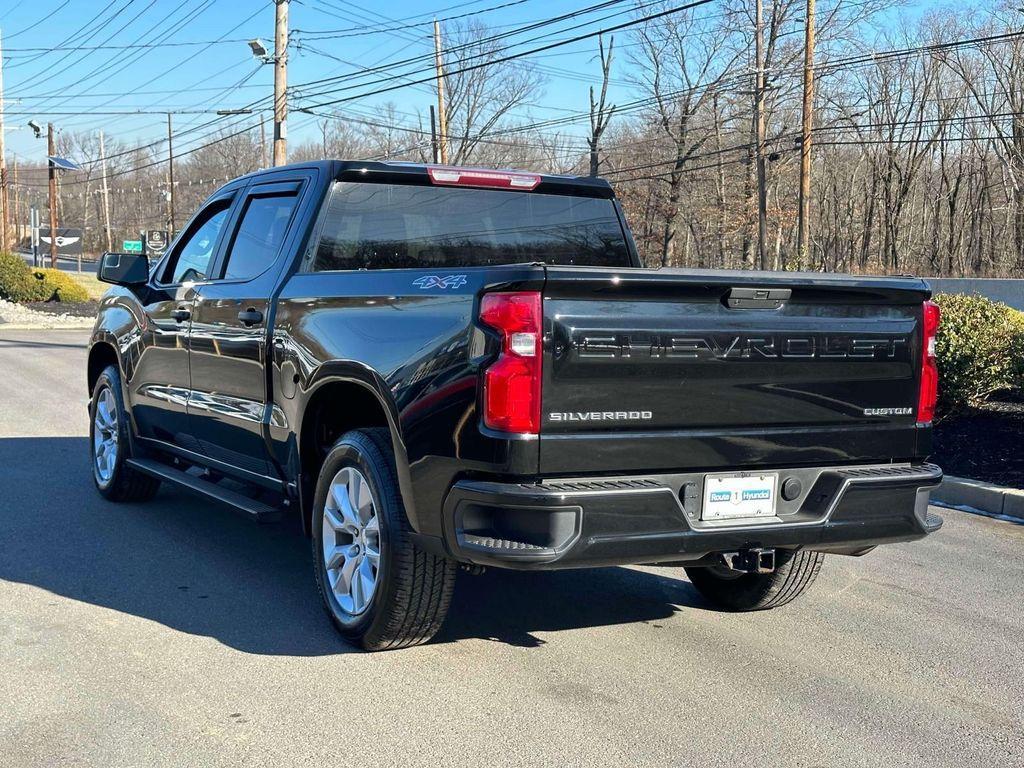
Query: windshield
x=393, y=226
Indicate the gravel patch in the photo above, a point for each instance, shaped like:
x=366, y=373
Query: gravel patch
x=984, y=443
x=14, y=315
x=71, y=309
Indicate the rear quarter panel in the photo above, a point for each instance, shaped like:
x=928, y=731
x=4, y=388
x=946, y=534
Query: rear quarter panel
x=416, y=344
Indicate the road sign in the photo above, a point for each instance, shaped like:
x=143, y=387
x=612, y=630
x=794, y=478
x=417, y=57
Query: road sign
x=156, y=241
x=131, y=246
x=69, y=240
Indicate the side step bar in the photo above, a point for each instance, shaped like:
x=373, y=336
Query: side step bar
x=256, y=510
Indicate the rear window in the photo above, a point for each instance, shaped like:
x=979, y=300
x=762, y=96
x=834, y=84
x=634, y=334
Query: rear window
x=393, y=226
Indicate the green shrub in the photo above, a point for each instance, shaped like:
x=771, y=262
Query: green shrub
x=19, y=282
x=54, y=285
x=980, y=350
x=15, y=278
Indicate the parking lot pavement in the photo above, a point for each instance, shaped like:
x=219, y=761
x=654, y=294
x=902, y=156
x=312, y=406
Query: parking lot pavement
x=175, y=633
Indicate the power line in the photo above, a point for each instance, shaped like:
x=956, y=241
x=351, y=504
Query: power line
x=511, y=57
x=162, y=35
x=184, y=61
x=107, y=64
x=121, y=47
x=835, y=65
x=428, y=58
x=377, y=29
x=67, y=39
x=35, y=24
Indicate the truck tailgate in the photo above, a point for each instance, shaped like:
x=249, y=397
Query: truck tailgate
x=666, y=370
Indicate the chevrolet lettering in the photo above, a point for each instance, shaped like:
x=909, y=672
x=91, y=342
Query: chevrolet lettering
x=669, y=346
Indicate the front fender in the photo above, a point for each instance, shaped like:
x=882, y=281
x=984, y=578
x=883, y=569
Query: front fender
x=119, y=323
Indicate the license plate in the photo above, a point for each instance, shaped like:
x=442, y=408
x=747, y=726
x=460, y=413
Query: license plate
x=729, y=497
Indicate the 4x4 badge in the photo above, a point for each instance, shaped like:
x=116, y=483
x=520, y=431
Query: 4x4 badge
x=434, y=281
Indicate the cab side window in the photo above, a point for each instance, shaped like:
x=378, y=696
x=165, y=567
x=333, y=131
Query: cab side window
x=260, y=235
x=194, y=255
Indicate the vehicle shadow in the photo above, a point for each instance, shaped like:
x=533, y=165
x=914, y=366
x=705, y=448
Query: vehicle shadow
x=33, y=344
x=513, y=606
x=198, y=568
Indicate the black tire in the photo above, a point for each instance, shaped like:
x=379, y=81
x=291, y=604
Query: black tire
x=794, y=573
x=413, y=588
x=124, y=484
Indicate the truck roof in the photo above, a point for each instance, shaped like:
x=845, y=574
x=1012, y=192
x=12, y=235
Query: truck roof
x=419, y=173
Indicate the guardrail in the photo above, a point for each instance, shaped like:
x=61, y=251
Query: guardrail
x=1010, y=292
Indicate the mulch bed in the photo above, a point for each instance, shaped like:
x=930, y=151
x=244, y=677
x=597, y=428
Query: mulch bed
x=985, y=444
x=75, y=309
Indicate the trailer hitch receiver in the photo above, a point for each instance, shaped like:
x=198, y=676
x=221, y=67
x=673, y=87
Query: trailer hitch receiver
x=756, y=560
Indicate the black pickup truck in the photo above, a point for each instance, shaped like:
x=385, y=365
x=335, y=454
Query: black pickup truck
x=435, y=367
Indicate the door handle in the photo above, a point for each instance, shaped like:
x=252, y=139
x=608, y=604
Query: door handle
x=250, y=316
x=181, y=314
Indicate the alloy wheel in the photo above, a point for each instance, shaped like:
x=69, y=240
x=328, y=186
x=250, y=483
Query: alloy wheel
x=351, y=540
x=104, y=435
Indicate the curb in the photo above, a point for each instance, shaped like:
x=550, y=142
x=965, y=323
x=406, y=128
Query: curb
x=39, y=327
x=984, y=497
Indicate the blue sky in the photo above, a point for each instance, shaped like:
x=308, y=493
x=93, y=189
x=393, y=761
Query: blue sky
x=63, y=85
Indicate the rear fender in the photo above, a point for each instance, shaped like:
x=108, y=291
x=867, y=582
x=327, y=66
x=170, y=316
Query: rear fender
x=352, y=372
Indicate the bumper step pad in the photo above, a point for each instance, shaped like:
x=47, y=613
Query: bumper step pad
x=503, y=544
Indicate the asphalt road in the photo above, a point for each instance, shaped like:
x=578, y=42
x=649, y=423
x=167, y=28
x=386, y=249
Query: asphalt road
x=176, y=633
x=64, y=263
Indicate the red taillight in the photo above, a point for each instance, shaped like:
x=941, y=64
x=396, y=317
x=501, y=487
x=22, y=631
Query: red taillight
x=929, y=368
x=476, y=177
x=512, y=383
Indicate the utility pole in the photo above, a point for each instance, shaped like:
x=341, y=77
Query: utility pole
x=33, y=214
x=720, y=182
x=5, y=213
x=51, y=152
x=804, y=232
x=442, y=115
x=16, y=212
x=106, y=194
x=280, y=82
x=263, y=141
x=762, y=184
x=170, y=180
x=433, y=135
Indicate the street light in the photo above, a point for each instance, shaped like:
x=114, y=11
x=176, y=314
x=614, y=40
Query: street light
x=54, y=164
x=259, y=51
x=280, y=61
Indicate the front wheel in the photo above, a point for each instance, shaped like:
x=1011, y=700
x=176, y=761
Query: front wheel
x=735, y=591
x=109, y=444
x=380, y=590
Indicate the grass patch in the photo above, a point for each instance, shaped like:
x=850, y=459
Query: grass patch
x=87, y=280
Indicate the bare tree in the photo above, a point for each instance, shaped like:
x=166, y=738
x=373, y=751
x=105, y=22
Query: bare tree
x=482, y=91
x=600, y=113
x=681, y=62
x=1004, y=98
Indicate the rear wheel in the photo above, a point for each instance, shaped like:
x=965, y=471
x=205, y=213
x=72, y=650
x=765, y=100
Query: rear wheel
x=794, y=573
x=380, y=590
x=109, y=444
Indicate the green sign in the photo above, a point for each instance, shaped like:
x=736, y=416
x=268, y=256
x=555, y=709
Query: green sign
x=131, y=246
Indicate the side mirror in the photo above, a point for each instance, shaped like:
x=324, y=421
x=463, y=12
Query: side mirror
x=124, y=269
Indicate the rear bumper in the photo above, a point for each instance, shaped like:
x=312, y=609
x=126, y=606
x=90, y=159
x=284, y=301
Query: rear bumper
x=584, y=522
